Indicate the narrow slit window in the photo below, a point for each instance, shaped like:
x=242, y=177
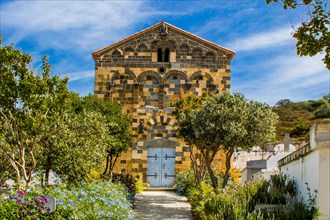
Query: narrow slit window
x=167, y=55
x=159, y=55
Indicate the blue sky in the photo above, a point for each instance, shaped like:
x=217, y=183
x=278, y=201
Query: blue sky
x=265, y=67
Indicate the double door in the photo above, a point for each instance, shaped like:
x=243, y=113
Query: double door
x=161, y=166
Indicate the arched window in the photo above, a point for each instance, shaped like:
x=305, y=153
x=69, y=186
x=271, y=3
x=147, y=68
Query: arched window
x=167, y=55
x=159, y=55
x=129, y=49
x=142, y=48
x=163, y=55
x=184, y=49
x=197, y=54
x=209, y=57
x=116, y=55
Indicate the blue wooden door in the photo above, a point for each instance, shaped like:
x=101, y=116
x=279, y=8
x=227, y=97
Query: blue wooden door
x=154, y=165
x=161, y=166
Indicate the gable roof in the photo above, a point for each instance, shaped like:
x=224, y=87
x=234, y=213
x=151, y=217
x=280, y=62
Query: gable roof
x=205, y=42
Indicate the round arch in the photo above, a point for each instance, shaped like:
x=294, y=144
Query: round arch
x=199, y=73
x=149, y=73
x=175, y=72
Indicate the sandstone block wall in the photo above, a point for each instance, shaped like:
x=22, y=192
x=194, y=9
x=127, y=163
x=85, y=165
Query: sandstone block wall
x=145, y=72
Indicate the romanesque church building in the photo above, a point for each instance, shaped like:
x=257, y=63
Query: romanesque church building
x=144, y=72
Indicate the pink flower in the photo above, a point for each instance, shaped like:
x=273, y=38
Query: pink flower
x=20, y=193
x=18, y=201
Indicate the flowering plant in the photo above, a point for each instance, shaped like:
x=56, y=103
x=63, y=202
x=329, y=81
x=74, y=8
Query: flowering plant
x=96, y=200
x=23, y=206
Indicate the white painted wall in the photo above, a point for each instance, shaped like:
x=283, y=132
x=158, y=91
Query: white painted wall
x=314, y=168
x=305, y=170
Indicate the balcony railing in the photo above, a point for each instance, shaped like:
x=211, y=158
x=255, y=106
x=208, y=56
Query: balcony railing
x=294, y=155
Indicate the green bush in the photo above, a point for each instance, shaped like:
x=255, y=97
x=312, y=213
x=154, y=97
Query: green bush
x=97, y=200
x=28, y=206
x=239, y=202
x=185, y=181
x=323, y=112
x=198, y=196
x=128, y=181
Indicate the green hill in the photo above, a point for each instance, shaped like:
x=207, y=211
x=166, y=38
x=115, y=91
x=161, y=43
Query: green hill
x=296, y=118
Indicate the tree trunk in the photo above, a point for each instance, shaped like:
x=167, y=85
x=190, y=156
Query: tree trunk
x=18, y=175
x=112, y=165
x=198, y=165
x=47, y=170
x=42, y=179
x=106, y=166
x=229, y=154
x=209, y=156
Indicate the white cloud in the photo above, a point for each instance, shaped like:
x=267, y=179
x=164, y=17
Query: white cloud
x=288, y=76
x=273, y=38
x=76, y=76
x=71, y=25
x=63, y=15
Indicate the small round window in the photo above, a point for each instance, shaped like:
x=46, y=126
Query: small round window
x=162, y=69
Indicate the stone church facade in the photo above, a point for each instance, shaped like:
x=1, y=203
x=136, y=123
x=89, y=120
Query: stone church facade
x=144, y=72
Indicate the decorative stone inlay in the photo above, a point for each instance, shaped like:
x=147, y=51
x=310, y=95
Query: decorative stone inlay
x=146, y=87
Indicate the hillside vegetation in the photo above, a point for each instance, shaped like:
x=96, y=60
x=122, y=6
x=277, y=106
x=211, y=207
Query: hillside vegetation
x=296, y=118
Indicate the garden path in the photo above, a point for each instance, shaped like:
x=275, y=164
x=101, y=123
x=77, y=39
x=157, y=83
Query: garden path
x=162, y=205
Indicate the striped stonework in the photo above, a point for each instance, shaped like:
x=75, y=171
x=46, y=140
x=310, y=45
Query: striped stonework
x=148, y=70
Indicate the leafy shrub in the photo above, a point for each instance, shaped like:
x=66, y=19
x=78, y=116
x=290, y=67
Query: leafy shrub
x=317, y=103
x=185, y=181
x=198, y=196
x=323, y=112
x=24, y=206
x=128, y=181
x=239, y=202
x=139, y=186
x=299, y=130
x=97, y=200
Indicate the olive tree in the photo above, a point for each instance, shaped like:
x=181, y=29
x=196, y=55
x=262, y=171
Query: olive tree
x=227, y=121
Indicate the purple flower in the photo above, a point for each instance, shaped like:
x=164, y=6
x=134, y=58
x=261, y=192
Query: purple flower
x=2, y=183
x=21, y=218
x=18, y=201
x=20, y=193
x=44, y=199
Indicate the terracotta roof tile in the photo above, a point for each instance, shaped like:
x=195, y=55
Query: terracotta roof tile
x=95, y=53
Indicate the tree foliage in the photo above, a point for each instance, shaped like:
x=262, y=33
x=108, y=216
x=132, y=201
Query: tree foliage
x=118, y=128
x=284, y=102
x=313, y=36
x=77, y=147
x=226, y=121
x=27, y=99
x=45, y=127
